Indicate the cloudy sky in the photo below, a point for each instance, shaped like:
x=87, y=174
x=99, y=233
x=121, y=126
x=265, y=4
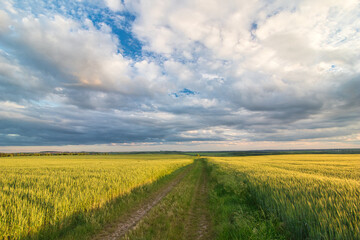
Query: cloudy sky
x=112, y=75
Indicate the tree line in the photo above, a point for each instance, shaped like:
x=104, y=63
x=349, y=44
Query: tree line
x=51, y=154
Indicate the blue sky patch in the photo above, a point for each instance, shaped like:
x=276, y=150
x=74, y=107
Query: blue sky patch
x=184, y=92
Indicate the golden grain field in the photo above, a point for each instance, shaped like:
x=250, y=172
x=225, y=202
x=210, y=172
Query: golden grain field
x=40, y=192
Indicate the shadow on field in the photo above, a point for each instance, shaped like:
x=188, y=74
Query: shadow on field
x=83, y=225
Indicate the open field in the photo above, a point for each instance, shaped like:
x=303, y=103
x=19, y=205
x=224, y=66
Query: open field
x=315, y=196
x=46, y=197
x=166, y=196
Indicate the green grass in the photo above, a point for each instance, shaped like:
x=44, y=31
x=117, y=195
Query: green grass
x=315, y=196
x=234, y=212
x=52, y=197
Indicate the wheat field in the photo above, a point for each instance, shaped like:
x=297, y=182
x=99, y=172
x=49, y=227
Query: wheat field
x=315, y=196
x=37, y=193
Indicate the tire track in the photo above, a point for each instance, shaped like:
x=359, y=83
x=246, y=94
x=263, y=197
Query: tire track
x=132, y=219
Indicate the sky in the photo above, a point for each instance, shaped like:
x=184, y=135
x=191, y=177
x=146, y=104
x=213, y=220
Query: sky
x=142, y=75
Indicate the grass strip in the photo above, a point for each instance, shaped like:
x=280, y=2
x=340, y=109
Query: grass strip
x=235, y=214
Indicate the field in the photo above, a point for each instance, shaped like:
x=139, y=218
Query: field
x=315, y=196
x=46, y=196
x=168, y=196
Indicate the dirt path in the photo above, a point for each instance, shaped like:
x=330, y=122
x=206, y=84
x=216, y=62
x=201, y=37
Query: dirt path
x=198, y=226
x=130, y=220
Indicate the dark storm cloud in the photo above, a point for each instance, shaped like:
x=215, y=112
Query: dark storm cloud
x=71, y=126
x=349, y=92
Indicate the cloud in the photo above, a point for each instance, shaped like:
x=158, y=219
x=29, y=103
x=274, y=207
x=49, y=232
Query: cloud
x=102, y=72
x=114, y=5
x=62, y=53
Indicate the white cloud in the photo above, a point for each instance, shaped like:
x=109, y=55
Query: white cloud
x=10, y=105
x=13, y=135
x=86, y=54
x=4, y=22
x=60, y=52
x=114, y=5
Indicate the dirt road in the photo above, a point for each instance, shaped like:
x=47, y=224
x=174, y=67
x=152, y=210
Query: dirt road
x=116, y=231
x=184, y=214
